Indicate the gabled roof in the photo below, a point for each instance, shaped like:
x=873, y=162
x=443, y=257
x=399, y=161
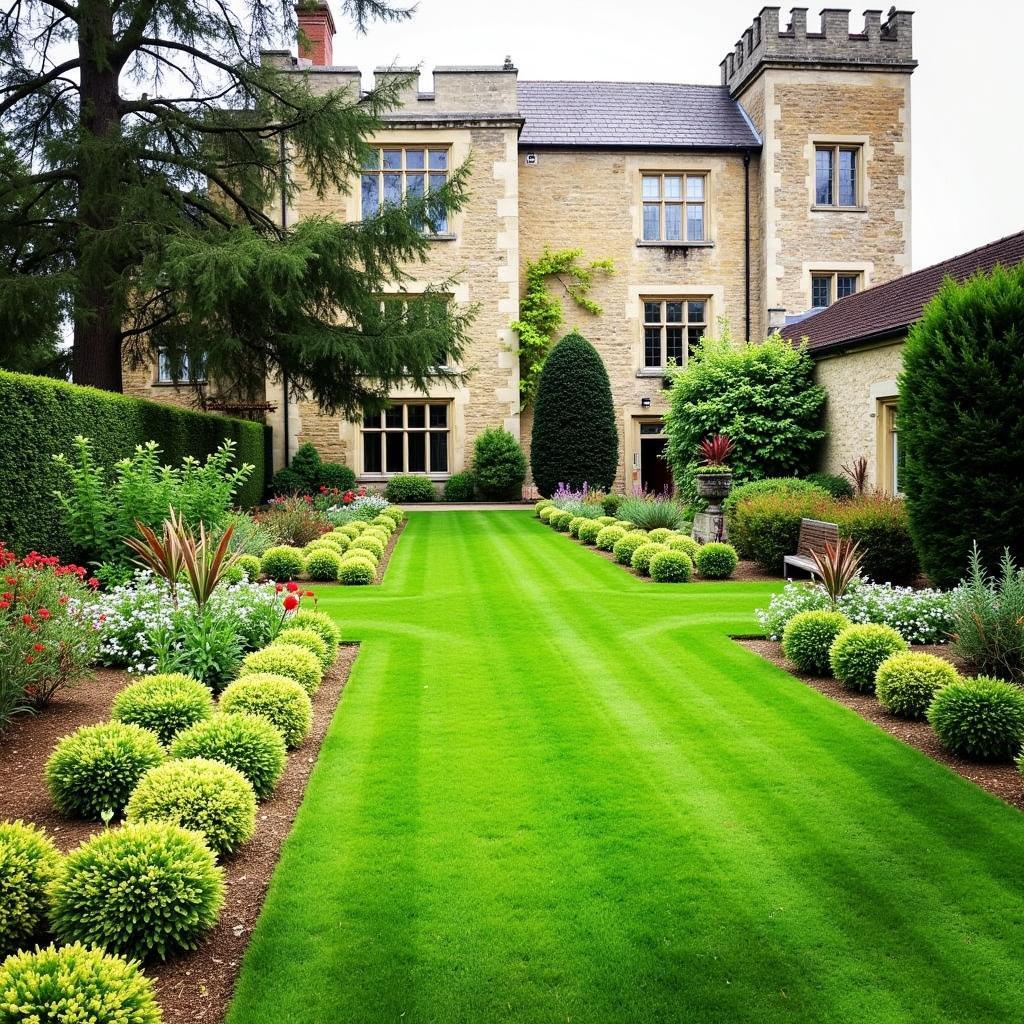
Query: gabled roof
x=889, y=309
x=633, y=114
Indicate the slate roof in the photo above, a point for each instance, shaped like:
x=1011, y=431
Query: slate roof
x=889, y=309
x=633, y=114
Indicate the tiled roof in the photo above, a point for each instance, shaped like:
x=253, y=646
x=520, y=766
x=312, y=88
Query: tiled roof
x=891, y=308
x=632, y=114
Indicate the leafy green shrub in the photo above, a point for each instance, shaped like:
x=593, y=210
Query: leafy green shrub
x=306, y=463
x=641, y=559
x=608, y=520
x=410, y=489
x=981, y=719
x=624, y=547
x=858, y=651
x=73, y=985
x=202, y=795
x=610, y=504
x=337, y=542
x=289, y=660
x=246, y=742
x=499, y=465
x=539, y=505
x=660, y=534
x=293, y=521
x=320, y=623
x=93, y=771
x=808, y=638
x=368, y=542
x=460, y=487
x=838, y=486
x=282, y=563
x=361, y=555
x=29, y=862
x=687, y=545
x=280, y=699
x=717, y=561
x=575, y=439
x=652, y=512
x=574, y=525
x=337, y=477
x=608, y=536
x=767, y=526
x=753, y=489
x=671, y=567
x=323, y=566
x=143, y=891
x=906, y=683
x=961, y=423
x=356, y=573
x=561, y=520
x=588, y=531
x=545, y=514
x=163, y=704
x=250, y=566
x=878, y=523
x=287, y=482
x=394, y=513
x=309, y=639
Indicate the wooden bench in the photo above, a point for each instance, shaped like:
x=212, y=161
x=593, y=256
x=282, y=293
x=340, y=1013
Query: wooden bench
x=814, y=535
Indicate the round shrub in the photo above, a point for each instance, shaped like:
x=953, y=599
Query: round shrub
x=309, y=639
x=539, y=505
x=981, y=719
x=808, y=638
x=377, y=532
x=547, y=512
x=333, y=541
x=385, y=523
x=609, y=536
x=352, y=529
x=164, y=704
x=323, y=566
x=627, y=524
x=906, y=683
x=561, y=521
x=364, y=559
x=660, y=534
x=280, y=699
x=625, y=546
x=410, y=488
x=93, y=771
x=233, y=574
x=671, y=567
x=589, y=530
x=362, y=555
x=858, y=651
x=250, y=744
x=29, y=862
x=75, y=984
x=336, y=476
x=574, y=525
x=356, y=573
x=289, y=660
x=143, y=891
x=205, y=796
x=717, y=561
x=608, y=520
x=838, y=486
x=687, y=545
x=499, y=465
x=460, y=487
x=366, y=542
x=282, y=563
x=393, y=512
x=319, y=622
x=641, y=560
x=250, y=566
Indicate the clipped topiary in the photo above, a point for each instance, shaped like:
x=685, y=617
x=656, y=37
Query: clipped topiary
x=574, y=525
x=356, y=573
x=250, y=566
x=309, y=639
x=93, y=771
x=280, y=699
x=164, y=704
x=575, y=440
x=561, y=521
x=539, y=505
x=641, y=560
x=660, y=534
x=981, y=719
x=589, y=530
x=858, y=651
x=410, y=488
x=297, y=663
x=808, y=638
x=499, y=466
x=716, y=561
x=545, y=514
x=246, y=742
x=352, y=529
x=394, y=512
x=143, y=891
x=671, y=567
x=625, y=546
x=29, y=862
x=200, y=794
x=306, y=463
x=319, y=622
x=459, y=487
x=608, y=536
x=282, y=563
x=366, y=541
x=687, y=545
x=75, y=984
x=906, y=683
x=323, y=565
x=337, y=476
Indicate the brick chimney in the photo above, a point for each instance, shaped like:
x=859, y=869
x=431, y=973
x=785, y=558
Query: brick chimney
x=317, y=26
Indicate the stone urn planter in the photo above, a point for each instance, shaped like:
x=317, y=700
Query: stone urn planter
x=713, y=488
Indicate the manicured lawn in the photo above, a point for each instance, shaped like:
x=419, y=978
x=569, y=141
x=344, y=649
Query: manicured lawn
x=553, y=792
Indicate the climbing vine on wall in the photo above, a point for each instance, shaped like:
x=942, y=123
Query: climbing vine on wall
x=540, y=312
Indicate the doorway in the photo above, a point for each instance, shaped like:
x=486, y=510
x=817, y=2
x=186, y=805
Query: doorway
x=655, y=475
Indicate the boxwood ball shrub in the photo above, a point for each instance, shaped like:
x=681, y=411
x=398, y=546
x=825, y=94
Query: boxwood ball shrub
x=906, y=683
x=546, y=512
x=641, y=559
x=246, y=742
x=393, y=512
x=367, y=542
x=716, y=561
x=29, y=862
x=460, y=487
x=323, y=566
x=250, y=566
x=319, y=622
x=561, y=521
x=859, y=650
x=164, y=704
x=280, y=699
x=671, y=567
x=289, y=660
x=808, y=638
x=205, y=796
x=410, y=488
x=608, y=536
x=574, y=525
x=357, y=573
x=143, y=891
x=309, y=639
x=981, y=719
x=75, y=984
x=354, y=528
x=589, y=530
x=625, y=546
x=660, y=534
x=687, y=545
x=93, y=771
x=282, y=563
x=539, y=505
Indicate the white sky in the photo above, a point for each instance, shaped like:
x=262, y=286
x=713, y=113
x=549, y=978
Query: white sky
x=967, y=129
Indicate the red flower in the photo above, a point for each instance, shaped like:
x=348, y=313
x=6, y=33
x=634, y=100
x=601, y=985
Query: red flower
x=93, y=582
x=38, y=647
x=103, y=618
x=12, y=581
x=29, y=660
x=291, y=602
x=27, y=619
x=43, y=613
x=279, y=588
x=292, y=586
x=62, y=600
x=5, y=604
x=309, y=593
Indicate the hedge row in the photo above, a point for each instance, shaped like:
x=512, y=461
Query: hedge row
x=41, y=418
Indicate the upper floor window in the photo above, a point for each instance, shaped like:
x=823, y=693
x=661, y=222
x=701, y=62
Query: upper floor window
x=837, y=175
x=393, y=173
x=828, y=287
x=673, y=207
x=165, y=371
x=672, y=327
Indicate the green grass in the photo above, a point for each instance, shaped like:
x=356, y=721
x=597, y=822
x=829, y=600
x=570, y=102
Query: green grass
x=553, y=792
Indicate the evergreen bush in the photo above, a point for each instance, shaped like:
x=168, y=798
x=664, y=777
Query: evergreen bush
x=859, y=650
x=588, y=530
x=808, y=638
x=319, y=622
x=29, y=862
x=460, y=487
x=280, y=699
x=323, y=565
x=250, y=566
x=410, y=489
x=289, y=660
x=981, y=719
x=906, y=683
x=356, y=573
x=164, y=704
x=716, y=561
x=282, y=563
x=671, y=567
x=309, y=639
x=609, y=536
x=641, y=558
x=499, y=466
x=625, y=546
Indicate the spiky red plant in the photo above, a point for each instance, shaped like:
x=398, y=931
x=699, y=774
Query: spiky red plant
x=715, y=450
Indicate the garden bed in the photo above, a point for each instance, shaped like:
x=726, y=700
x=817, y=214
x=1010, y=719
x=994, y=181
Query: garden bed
x=1001, y=780
x=193, y=987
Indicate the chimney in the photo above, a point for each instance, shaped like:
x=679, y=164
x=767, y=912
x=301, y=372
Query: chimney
x=317, y=27
x=776, y=318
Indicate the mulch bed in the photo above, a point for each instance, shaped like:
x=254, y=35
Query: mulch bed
x=194, y=987
x=1002, y=780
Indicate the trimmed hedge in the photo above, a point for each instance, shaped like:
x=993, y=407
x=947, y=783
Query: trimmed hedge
x=42, y=418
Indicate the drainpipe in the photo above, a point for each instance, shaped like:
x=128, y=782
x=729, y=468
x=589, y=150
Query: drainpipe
x=284, y=225
x=746, y=238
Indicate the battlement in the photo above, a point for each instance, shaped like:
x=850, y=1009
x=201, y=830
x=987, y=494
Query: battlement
x=880, y=45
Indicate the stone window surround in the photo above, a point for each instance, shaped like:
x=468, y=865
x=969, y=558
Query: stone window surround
x=861, y=142
x=882, y=396
x=713, y=295
x=865, y=268
x=405, y=431
x=663, y=168
x=425, y=172
x=658, y=371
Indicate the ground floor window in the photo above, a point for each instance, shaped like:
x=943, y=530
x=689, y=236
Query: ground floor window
x=672, y=328
x=889, y=455
x=408, y=437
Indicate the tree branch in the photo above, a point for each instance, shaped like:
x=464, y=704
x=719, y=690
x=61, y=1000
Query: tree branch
x=27, y=88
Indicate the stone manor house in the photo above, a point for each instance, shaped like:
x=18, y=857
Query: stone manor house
x=783, y=188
